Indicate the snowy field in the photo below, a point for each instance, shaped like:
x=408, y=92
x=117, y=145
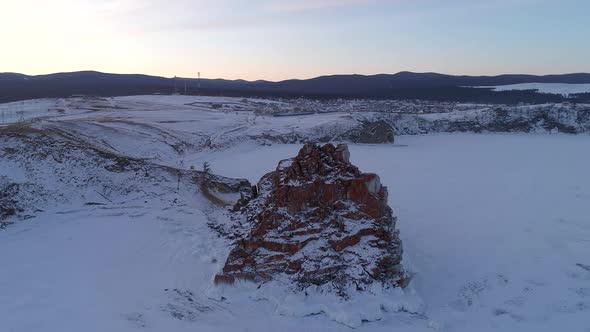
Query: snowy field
x=497, y=228
x=554, y=88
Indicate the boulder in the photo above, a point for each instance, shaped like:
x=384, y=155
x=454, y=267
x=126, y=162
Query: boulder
x=373, y=133
x=318, y=220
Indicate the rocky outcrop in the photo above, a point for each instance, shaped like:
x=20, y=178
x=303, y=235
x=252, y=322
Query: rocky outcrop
x=6, y=210
x=367, y=132
x=317, y=220
x=8, y=206
x=521, y=119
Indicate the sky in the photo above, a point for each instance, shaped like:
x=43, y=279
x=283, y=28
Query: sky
x=276, y=40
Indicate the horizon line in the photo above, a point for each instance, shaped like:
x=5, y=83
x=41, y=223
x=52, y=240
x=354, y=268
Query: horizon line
x=295, y=79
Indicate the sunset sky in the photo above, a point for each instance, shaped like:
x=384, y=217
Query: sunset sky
x=275, y=40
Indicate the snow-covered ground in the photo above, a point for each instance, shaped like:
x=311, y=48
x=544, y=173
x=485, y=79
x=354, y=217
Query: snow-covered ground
x=28, y=110
x=496, y=226
x=173, y=128
x=554, y=88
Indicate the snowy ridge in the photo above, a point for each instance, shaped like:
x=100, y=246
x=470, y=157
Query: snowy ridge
x=178, y=129
x=45, y=168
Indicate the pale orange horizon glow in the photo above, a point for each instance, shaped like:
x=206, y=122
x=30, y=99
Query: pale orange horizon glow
x=274, y=40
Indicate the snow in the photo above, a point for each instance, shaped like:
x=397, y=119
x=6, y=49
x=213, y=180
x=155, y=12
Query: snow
x=496, y=226
x=27, y=110
x=30, y=110
x=185, y=100
x=554, y=88
x=176, y=130
x=94, y=270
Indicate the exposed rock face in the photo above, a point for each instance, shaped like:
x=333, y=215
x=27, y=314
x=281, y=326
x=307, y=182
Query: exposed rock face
x=8, y=206
x=318, y=220
x=375, y=133
x=6, y=211
x=501, y=119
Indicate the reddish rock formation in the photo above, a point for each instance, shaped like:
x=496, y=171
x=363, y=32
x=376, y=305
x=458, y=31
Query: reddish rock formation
x=317, y=220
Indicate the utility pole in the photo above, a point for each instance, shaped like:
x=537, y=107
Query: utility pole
x=199, y=84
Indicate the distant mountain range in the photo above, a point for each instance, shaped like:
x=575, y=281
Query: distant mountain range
x=403, y=85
